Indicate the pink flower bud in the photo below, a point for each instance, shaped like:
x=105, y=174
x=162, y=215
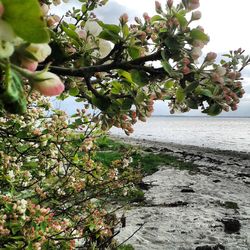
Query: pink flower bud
x=48, y=84
x=146, y=17
x=238, y=75
x=211, y=56
x=234, y=107
x=141, y=35
x=53, y=20
x=200, y=28
x=242, y=91
x=232, y=75
x=1, y=9
x=158, y=8
x=170, y=3
x=238, y=84
x=185, y=61
x=193, y=4
x=196, y=15
x=124, y=18
x=216, y=77
x=185, y=70
x=29, y=64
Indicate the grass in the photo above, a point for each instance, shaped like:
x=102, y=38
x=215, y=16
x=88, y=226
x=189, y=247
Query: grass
x=149, y=162
x=146, y=162
x=126, y=247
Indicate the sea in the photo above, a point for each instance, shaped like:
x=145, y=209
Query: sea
x=224, y=133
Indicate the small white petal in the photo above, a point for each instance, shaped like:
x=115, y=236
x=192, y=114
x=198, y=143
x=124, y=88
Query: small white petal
x=105, y=48
x=93, y=28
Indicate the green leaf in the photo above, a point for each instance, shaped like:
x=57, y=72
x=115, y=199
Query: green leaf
x=214, y=110
x=101, y=103
x=125, y=30
x=197, y=34
x=127, y=104
x=70, y=33
x=169, y=84
x=139, y=77
x=111, y=27
x=167, y=67
x=84, y=8
x=206, y=92
x=30, y=164
x=21, y=134
x=180, y=94
x=191, y=104
x=182, y=20
x=74, y=91
x=140, y=97
x=126, y=75
x=134, y=52
x=156, y=18
x=26, y=19
x=15, y=227
x=109, y=36
x=191, y=87
x=43, y=226
x=116, y=87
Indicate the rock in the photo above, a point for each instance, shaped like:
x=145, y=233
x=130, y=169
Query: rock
x=187, y=190
x=144, y=186
x=216, y=181
x=231, y=226
x=216, y=247
x=177, y=204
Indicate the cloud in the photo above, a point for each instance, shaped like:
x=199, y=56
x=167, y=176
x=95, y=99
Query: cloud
x=111, y=12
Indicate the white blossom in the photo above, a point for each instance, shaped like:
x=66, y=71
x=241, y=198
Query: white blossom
x=93, y=28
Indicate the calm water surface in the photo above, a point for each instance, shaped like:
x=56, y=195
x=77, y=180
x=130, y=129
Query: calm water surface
x=221, y=133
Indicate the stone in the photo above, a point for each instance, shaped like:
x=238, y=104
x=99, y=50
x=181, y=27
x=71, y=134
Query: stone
x=231, y=225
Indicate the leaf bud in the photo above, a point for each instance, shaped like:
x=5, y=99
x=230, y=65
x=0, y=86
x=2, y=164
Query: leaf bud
x=196, y=15
x=158, y=7
x=210, y=57
x=170, y=3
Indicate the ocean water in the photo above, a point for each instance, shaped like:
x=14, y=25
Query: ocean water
x=224, y=133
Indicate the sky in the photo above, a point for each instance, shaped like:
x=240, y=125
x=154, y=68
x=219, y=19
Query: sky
x=225, y=21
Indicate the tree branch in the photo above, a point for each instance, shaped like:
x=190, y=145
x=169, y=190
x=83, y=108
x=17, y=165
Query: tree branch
x=133, y=64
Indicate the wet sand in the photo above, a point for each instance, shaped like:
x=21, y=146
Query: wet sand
x=184, y=211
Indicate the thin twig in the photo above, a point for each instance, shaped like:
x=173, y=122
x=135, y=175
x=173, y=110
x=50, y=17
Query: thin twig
x=132, y=234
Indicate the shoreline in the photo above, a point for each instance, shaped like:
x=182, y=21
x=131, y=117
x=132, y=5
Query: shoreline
x=175, y=147
x=189, y=211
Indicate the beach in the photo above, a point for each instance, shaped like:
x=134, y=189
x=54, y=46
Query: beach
x=207, y=208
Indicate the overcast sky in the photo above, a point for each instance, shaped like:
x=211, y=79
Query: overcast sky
x=225, y=21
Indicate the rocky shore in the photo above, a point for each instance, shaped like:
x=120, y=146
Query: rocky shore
x=205, y=209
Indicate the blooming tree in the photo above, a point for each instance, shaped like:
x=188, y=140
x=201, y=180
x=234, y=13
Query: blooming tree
x=48, y=175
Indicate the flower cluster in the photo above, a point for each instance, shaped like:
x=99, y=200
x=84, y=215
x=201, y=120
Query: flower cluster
x=19, y=59
x=53, y=175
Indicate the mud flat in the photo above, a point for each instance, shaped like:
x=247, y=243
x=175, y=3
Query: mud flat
x=183, y=210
